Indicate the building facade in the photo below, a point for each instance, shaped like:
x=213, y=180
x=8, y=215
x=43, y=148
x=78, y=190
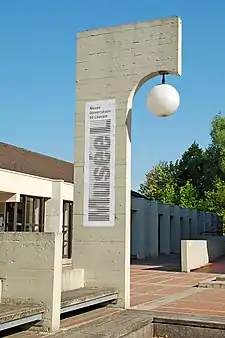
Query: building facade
x=36, y=194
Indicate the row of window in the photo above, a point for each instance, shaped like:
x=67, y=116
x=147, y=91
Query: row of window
x=29, y=215
x=26, y=215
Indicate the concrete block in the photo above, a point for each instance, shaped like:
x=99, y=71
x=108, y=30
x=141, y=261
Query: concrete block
x=31, y=265
x=72, y=279
x=197, y=253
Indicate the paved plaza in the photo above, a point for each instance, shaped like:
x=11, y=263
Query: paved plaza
x=160, y=287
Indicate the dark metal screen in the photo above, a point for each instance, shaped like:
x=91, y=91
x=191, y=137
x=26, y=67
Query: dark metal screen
x=27, y=215
x=67, y=229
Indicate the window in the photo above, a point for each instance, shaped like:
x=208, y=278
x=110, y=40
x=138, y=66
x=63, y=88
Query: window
x=26, y=215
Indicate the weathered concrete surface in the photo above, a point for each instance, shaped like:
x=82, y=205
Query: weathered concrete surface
x=199, y=252
x=178, y=326
x=113, y=63
x=215, y=282
x=31, y=265
x=129, y=323
x=14, y=312
x=180, y=331
x=84, y=295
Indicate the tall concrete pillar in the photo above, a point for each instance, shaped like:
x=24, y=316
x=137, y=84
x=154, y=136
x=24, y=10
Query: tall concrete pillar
x=54, y=209
x=153, y=229
x=164, y=232
x=175, y=233
x=112, y=64
x=194, y=224
x=184, y=223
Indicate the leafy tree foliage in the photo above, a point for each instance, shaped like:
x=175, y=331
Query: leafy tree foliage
x=197, y=179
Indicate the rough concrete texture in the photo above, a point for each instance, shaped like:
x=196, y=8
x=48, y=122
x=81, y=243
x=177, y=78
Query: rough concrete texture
x=84, y=295
x=216, y=282
x=180, y=331
x=179, y=325
x=129, y=323
x=113, y=63
x=11, y=312
x=31, y=265
x=54, y=208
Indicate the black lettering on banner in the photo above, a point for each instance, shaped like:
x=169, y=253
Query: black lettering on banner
x=102, y=173
x=99, y=198
x=100, y=130
x=102, y=142
x=102, y=158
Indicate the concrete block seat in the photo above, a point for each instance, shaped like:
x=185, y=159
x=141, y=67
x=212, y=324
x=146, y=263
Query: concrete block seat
x=86, y=297
x=15, y=315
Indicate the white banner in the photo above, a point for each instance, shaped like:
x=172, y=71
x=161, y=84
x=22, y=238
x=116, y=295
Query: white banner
x=99, y=166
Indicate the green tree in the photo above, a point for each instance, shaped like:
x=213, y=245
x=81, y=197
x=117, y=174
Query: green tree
x=197, y=179
x=191, y=168
x=160, y=183
x=188, y=196
x=217, y=148
x=215, y=198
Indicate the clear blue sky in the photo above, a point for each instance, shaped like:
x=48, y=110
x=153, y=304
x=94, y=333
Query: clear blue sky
x=37, y=74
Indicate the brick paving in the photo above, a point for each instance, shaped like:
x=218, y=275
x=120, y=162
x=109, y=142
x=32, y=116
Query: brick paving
x=158, y=288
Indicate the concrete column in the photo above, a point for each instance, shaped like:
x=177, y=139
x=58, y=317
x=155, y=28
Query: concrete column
x=175, y=233
x=164, y=230
x=54, y=209
x=185, y=226
x=145, y=225
x=214, y=222
x=194, y=224
x=154, y=229
x=201, y=223
x=208, y=222
x=138, y=226
x=112, y=64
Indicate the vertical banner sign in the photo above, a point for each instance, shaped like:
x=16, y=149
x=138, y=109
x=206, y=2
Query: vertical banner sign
x=99, y=166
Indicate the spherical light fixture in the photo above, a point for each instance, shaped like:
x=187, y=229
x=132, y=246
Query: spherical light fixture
x=163, y=100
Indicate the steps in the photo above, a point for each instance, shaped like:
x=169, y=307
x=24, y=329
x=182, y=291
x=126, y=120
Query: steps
x=178, y=325
x=123, y=323
x=15, y=315
x=86, y=297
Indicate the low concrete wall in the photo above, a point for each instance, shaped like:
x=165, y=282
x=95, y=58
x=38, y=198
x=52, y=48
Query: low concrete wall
x=157, y=228
x=199, y=252
x=31, y=265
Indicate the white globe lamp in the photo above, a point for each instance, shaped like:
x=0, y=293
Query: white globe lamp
x=163, y=100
